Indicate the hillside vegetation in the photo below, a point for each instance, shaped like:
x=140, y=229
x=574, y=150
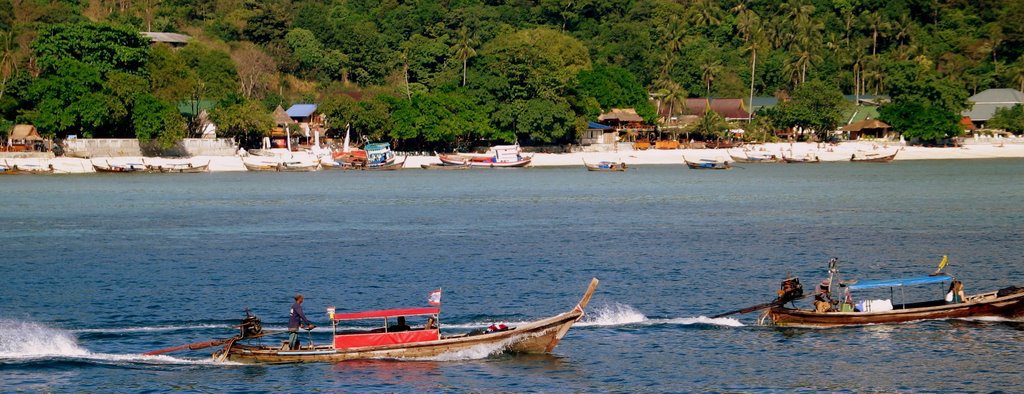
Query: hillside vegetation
x=442, y=74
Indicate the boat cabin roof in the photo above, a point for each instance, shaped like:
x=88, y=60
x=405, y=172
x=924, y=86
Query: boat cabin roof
x=377, y=146
x=386, y=313
x=913, y=280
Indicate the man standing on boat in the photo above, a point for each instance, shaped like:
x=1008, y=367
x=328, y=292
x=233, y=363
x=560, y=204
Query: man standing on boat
x=295, y=319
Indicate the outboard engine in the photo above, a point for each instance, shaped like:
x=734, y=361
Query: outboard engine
x=251, y=326
x=790, y=290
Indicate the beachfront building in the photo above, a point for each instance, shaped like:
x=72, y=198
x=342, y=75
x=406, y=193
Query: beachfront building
x=730, y=109
x=625, y=122
x=23, y=138
x=869, y=129
x=985, y=104
x=310, y=123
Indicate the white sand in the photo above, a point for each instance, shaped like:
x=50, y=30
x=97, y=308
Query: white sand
x=837, y=153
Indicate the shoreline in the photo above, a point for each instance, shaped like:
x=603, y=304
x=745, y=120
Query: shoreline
x=827, y=153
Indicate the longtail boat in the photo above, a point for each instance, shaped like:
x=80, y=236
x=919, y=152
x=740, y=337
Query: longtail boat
x=809, y=159
x=120, y=168
x=606, y=166
x=708, y=164
x=873, y=158
x=179, y=167
x=540, y=336
x=1004, y=303
x=498, y=156
x=21, y=169
x=442, y=166
x=747, y=158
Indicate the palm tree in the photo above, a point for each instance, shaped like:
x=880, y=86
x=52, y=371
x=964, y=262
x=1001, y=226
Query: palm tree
x=709, y=70
x=878, y=26
x=706, y=13
x=747, y=21
x=674, y=96
x=755, y=44
x=463, y=50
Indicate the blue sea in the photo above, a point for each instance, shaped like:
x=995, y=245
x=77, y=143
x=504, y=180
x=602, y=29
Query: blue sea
x=98, y=269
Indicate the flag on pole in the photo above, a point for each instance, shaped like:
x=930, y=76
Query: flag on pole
x=435, y=297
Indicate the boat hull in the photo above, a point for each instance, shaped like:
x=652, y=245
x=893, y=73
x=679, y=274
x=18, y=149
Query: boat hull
x=793, y=160
x=873, y=159
x=708, y=165
x=754, y=159
x=541, y=336
x=984, y=305
x=483, y=162
x=606, y=167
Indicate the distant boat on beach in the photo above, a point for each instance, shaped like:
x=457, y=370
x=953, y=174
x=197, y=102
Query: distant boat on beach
x=120, y=168
x=809, y=159
x=708, y=164
x=606, y=166
x=873, y=157
x=759, y=158
x=497, y=156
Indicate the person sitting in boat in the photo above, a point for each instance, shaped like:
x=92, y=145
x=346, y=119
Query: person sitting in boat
x=431, y=323
x=295, y=319
x=956, y=293
x=823, y=298
x=400, y=326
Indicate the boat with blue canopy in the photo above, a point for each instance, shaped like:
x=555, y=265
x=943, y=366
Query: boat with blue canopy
x=849, y=309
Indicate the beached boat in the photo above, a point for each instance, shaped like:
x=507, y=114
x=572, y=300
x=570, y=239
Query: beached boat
x=873, y=157
x=120, y=168
x=269, y=166
x=299, y=166
x=606, y=166
x=809, y=159
x=708, y=164
x=1005, y=303
x=748, y=158
x=498, y=156
x=179, y=167
x=24, y=169
x=442, y=166
x=539, y=336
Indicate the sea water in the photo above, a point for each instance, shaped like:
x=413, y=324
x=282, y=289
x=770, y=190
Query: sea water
x=98, y=269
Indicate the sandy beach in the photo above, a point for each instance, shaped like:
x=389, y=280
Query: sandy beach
x=827, y=153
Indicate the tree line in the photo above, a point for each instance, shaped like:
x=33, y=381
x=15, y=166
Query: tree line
x=441, y=74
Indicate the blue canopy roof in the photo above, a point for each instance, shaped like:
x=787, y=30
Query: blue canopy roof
x=301, y=110
x=914, y=280
x=597, y=126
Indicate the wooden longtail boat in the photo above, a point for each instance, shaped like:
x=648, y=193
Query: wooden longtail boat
x=746, y=158
x=802, y=160
x=606, y=166
x=16, y=169
x=441, y=166
x=708, y=164
x=539, y=336
x=262, y=166
x=498, y=156
x=179, y=167
x=873, y=158
x=127, y=167
x=1005, y=303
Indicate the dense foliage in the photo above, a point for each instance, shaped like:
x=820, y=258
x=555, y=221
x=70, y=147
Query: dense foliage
x=440, y=74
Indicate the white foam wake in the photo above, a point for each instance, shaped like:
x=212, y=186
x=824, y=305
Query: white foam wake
x=721, y=321
x=614, y=314
x=20, y=340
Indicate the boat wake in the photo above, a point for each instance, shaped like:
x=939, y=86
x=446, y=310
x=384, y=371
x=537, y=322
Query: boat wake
x=125, y=330
x=29, y=342
x=704, y=320
x=614, y=314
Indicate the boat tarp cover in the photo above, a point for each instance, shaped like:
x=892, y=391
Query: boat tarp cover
x=387, y=313
x=377, y=146
x=914, y=280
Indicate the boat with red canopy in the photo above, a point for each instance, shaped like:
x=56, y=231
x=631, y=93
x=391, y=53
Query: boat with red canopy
x=397, y=340
x=497, y=157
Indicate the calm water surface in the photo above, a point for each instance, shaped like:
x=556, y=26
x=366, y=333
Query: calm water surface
x=100, y=268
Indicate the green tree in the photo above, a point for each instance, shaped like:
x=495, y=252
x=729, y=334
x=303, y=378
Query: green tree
x=922, y=121
x=70, y=100
x=103, y=46
x=245, y=120
x=1010, y=119
x=616, y=87
x=814, y=106
x=157, y=120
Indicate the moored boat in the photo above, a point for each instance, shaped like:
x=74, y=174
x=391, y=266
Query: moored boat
x=540, y=336
x=873, y=157
x=120, y=168
x=606, y=166
x=747, y=158
x=184, y=167
x=23, y=169
x=708, y=164
x=442, y=166
x=498, y=156
x=1004, y=303
x=809, y=159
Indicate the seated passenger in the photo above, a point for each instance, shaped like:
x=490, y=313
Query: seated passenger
x=431, y=324
x=822, y=298
x=956, y=293
x=399, y=326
